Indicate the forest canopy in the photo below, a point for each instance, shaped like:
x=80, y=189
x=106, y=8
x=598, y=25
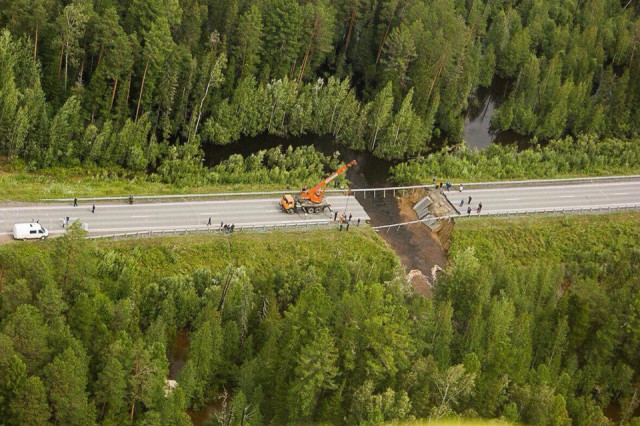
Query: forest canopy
x=534, y=321
x=138, y=83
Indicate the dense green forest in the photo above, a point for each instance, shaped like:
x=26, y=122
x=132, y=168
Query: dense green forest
x=143, y=83
x=270, y=169
x=568, y=157
x=534, y=321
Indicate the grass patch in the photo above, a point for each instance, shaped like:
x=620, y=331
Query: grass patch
x=261, y=254
x=565, y=239
x=19, y=184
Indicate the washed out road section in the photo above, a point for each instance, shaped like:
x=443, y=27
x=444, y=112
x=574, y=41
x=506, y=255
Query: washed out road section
x=592, y=195
x=120, y=217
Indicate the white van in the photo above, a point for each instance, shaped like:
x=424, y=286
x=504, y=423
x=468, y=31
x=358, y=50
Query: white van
x=29, y=231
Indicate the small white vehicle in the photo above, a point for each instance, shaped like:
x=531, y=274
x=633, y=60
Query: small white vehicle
x=29, y=231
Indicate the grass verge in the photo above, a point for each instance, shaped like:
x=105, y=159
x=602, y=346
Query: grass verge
x=261, y=254
x=19, y=184
x=564, y=239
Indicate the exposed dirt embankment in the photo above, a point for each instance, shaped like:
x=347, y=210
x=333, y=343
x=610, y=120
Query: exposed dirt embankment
x=420, y=249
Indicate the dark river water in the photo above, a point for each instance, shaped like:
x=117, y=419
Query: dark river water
x=371, y=171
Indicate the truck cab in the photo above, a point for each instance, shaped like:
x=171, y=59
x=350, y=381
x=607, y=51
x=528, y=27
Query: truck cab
x=288, y=203
x=29, y=231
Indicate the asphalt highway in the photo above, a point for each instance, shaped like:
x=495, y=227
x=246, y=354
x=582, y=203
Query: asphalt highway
x=121, y=217
x=591, y=195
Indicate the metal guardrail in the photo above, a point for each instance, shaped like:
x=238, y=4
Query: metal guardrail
x=230, y=194
x=374, y=191
x=551, y=181
x=234, y=194
x=514, y=213
x=214, y=230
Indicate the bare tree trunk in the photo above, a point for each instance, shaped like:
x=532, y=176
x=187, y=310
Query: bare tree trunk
x=375, y=137
x=244, y=59
x=144, y=76
x=633, y=47
x=384, y=40
x=206, y=92
x=113, y=94
x=60, y=61
x=35, y=45
x=352, y=21
x=129, y=88
x=66, y=67
x=100, y=56
x=307, y=53
x=133, y=408
x=437, y=76
x=292, y=68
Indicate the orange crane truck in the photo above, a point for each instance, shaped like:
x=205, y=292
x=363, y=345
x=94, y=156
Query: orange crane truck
x=312, y=200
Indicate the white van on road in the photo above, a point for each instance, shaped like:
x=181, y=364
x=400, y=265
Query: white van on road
x=29, y=231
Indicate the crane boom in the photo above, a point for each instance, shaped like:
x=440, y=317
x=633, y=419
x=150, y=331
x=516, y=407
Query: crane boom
x=316, y=193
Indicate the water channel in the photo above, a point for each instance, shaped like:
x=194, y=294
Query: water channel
x=370, y=172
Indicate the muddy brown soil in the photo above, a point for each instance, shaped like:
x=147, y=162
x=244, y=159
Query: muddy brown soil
x=418, y=248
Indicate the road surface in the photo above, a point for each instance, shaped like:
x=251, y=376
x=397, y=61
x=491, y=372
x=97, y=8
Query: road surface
x=169, y=215
x=596, y=195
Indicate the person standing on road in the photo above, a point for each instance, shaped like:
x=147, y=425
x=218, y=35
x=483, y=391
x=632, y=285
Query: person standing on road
x=461, y=188
x=358, y=222
x=469, y=210
x=335, y=216
x=209, y=223
x=469, y=202
x=93, y=209
x=75, y=202
x=479, y=208
x=448, y=185
x=233, y=226
x=462, y=202
x=130, y=199
x=348, y=226
x=350, y=216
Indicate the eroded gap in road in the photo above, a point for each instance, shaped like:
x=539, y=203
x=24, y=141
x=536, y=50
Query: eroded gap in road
x=419, y=249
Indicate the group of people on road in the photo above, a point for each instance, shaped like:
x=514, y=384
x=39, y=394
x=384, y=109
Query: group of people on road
x=75, y=204
x=440, y=185
x=66, y=221
x=460, y=188
x=224, y=227
x=448, y=185
x=344, y=220
x=478, y=209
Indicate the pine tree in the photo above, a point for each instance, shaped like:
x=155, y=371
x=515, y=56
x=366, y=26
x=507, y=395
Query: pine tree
x=380, y=114
x=248, y=45
x=282, y=29
x=67, y=377
x=8, y=90
x=30, y=406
